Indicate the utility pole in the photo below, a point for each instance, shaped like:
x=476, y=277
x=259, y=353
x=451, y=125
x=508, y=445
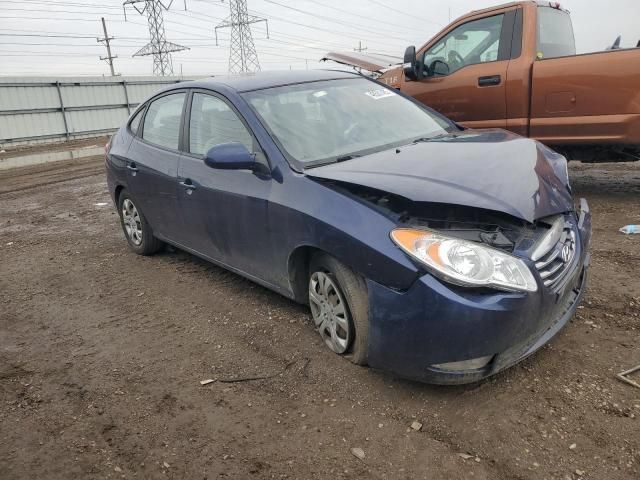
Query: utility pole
x=158, y=45
x=242, y=51
x=107, y=41
x=360, y=48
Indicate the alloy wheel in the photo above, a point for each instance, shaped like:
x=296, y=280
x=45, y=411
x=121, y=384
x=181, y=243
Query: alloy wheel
x=132, y=222
x=329, y=312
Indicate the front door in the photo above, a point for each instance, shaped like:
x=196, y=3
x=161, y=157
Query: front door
x=466, y=72
x=152, y=164
x=224, y=211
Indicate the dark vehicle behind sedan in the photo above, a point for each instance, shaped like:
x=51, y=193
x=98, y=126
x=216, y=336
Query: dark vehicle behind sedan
x=434, y=252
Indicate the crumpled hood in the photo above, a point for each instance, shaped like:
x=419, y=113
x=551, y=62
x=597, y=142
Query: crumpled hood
x=491, y=169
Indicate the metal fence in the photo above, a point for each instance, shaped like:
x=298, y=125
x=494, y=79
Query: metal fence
x=38, y=109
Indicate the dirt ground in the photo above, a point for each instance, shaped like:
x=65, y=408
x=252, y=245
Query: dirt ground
x=102, y=353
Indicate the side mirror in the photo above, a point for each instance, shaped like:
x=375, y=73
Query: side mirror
x=230, y=156
x=438, y=68
x=409, y=64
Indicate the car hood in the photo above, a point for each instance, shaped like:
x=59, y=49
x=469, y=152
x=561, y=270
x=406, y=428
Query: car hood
x=492, y=169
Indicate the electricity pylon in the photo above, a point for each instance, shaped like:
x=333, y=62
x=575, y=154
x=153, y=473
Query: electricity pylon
x=158, y=45
x=242, y=51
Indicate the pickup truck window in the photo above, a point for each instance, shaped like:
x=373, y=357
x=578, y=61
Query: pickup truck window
x=555, y=33
x=474, y=42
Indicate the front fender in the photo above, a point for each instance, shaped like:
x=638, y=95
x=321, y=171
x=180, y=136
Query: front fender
x=312, y=216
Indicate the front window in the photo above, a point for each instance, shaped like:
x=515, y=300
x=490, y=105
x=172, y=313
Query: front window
x=212, y=123
x=162, y=121
x=555, y=33
x=323, y=122
x=474, y=42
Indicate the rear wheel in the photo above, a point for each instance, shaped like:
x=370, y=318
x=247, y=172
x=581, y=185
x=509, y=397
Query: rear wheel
x=339, y=307
x=136, y=228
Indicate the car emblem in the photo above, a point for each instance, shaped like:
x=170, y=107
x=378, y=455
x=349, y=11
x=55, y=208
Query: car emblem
x=566, y=252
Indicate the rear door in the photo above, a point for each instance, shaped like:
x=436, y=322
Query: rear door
x=467, y=71
x=152, y=163
x=224, y=212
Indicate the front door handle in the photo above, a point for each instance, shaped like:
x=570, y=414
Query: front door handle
x=489, y=81
x=132, y=166
x=188, y=185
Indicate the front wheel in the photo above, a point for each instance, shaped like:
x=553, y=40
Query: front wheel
x=136, y=228
x=339, y=307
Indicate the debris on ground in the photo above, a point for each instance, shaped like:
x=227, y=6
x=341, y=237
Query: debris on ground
x=630, y=229
x=358, y=453
x=623, y=376
x=207, y=381
x=100, y=204
x=465, y=456
x=265, y=377
x=417, y=426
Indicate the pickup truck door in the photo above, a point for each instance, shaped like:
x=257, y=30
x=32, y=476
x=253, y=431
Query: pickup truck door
x=466, y=71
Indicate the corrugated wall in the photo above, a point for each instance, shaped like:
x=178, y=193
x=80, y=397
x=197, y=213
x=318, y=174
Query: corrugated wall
x=44, y=109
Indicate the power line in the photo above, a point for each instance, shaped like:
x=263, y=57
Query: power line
x=359, y=15
x=312, y=27
x=332, y=20
x=404, y=13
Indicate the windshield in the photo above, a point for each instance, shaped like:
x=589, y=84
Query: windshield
x=555, y=33
x=323, y=122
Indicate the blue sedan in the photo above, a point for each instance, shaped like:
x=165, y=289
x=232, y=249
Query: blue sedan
x=439, y=253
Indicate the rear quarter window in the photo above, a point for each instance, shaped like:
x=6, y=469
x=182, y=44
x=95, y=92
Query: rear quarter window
x=162, y=121
x=134, y=125
x=555, y=33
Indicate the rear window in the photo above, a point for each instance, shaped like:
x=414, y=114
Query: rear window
x=555, y=33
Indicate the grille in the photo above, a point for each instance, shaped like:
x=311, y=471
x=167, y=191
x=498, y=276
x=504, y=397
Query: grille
x=554, y=264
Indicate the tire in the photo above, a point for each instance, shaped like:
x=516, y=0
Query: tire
x=136, y=229
x=352, y=289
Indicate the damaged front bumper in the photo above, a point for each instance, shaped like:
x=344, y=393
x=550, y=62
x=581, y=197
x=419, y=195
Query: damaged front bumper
x=439, y=333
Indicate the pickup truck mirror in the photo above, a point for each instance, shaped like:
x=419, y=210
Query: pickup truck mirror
x=409, y=64
x=438, y=68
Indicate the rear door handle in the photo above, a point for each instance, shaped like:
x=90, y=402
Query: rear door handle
x=132, y=167
x=489, y=81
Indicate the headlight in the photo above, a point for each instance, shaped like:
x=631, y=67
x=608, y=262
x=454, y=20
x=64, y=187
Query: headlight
x=465, y=263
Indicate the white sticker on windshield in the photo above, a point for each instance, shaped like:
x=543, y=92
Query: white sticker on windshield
x=379, y=93
x=319, y=94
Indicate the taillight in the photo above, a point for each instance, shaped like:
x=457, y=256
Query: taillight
x=107, y=146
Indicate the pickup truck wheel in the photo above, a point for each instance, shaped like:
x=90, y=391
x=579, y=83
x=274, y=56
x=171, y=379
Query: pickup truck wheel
x=136, y=228
x=339, y=307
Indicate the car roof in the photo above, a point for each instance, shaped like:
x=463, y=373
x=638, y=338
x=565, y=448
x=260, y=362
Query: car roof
x=261, y=80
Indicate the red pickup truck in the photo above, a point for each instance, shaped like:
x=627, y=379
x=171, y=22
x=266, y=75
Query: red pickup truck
x=515, y=66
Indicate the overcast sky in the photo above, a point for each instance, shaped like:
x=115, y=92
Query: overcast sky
x=57, y=37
